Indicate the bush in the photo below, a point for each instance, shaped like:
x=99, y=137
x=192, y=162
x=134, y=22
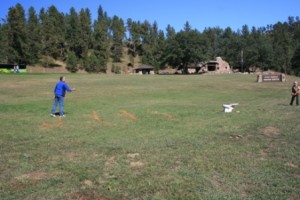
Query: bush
x=5, y=71
x=72, y=62
x=116, y=69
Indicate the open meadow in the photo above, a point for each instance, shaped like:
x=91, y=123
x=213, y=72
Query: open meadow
x=149, y=137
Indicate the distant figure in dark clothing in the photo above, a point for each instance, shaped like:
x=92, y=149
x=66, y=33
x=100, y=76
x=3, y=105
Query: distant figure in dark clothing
x=295, y=93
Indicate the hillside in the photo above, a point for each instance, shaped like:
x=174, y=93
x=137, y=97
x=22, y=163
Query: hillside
x=58, y=66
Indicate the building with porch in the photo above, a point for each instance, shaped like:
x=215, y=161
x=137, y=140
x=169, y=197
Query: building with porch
x=144, y=69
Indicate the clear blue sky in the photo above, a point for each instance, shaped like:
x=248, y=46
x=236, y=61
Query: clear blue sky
x=199, y=13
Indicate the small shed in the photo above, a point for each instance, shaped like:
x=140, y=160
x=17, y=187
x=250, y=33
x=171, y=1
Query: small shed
x=144, y=69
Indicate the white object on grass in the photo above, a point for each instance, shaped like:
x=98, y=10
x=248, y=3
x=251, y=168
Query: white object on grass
x=229, y=107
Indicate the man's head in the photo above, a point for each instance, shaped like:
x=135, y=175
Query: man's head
x=62, y=78
x=295, y=83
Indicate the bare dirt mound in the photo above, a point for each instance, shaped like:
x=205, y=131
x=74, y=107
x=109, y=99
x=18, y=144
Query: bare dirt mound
x=39, y=69
x=50, y=65
x=56, y=67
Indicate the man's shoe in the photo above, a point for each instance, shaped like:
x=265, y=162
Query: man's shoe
x=52, y=115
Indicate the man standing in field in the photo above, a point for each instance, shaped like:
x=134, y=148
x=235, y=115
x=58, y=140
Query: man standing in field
x=295, y=93
x=59, y=96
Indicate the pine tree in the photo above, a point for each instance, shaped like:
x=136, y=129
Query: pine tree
x=282, y=45
x=4, y=43
x=72, y=62
x=53, y=33
x=101, y=40
x=17, y=35
x=212, y=42
x=229, y=49
x=153, y=45
x=85, y=32
x=73, y=34
x=134, y=42
x=34, y=38
x=118, y=34
x=170, y=32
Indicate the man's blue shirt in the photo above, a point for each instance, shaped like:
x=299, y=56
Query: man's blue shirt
x=61, y=88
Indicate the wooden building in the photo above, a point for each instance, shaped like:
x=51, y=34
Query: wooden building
x=144, y=69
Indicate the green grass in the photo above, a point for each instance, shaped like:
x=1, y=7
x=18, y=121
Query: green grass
x=149, y=137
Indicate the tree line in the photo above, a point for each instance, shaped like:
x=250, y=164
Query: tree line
x=85, y=44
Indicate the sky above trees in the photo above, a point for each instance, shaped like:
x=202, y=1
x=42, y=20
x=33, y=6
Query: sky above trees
x=199, y=13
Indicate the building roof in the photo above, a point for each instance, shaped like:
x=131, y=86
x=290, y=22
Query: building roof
x=144, y=67
x=212, y=62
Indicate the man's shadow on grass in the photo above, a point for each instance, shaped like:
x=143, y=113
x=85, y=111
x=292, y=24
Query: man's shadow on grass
x=57, y=113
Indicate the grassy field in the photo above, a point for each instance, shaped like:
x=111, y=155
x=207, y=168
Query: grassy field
x=149, y=137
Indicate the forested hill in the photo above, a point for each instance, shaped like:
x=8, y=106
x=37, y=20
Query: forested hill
x=36, y=37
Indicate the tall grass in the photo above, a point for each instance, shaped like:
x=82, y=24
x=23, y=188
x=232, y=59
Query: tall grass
x=149, y=137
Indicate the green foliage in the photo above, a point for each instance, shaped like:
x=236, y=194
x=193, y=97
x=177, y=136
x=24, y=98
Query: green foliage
x=93, y=64
x=118, y=33
x=117, y=52
x=101, y=42
x=185, y=49
x=116, y=69
x=4, y=43
x=17, y=35
x=5, y=71
x=72, y=62
x=73, y=35
x=296, y=61
x=134, y=43
x=34, y=37
x=53, y=32
x=86, y=31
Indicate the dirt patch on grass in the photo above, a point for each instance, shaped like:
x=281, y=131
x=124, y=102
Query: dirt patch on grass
x=132, y=155
x=264, y=153
x=46, y=124
x=109, y=165
x=127, y=114
x=248, y=188
x=218, y=183
x=88, y=183
x=95, y=195
x=36, y=176
x=269, y=148
x=96, y=117
x=270, y=131
x=72, y=156
x=297, y=176
x=137, y=164
x=291, y=165
x=166, y=115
